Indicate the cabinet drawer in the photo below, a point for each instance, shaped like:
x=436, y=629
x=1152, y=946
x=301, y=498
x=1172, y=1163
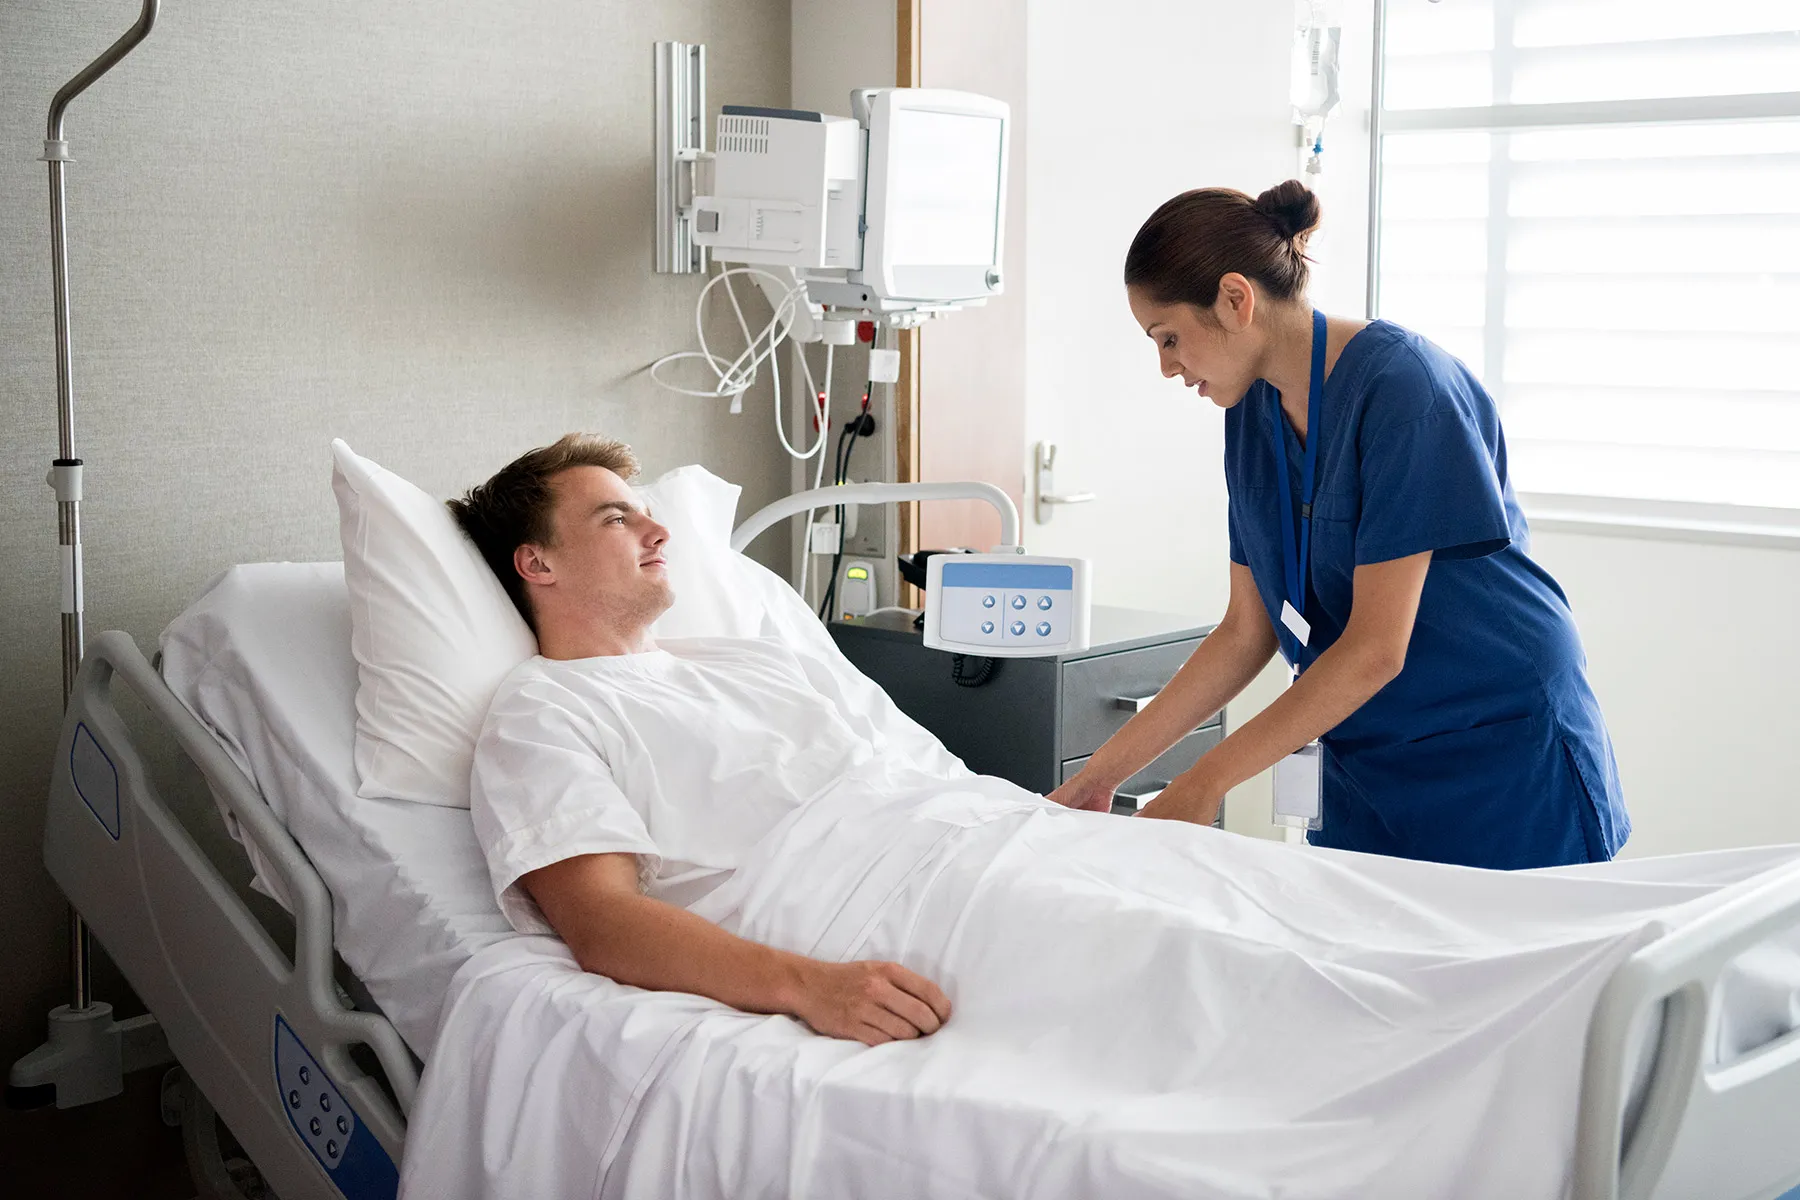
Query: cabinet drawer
x=1167, y=766
x=1092, y=687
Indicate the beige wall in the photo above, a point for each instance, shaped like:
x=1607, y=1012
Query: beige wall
x=421, y=225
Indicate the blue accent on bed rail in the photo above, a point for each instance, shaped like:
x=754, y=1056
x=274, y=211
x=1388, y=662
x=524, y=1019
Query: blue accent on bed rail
x=356, y=1163
x=95, y=778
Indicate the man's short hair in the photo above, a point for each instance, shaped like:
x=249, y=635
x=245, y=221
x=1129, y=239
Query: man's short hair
x=514, y=508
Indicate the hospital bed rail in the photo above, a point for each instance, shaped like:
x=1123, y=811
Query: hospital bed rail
x=770, y=515
x=1719, y=1130
x=210, y=972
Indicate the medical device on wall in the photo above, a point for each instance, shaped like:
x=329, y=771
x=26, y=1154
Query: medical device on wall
x=1318, y=35
x=1007, y=605
x=894, y=213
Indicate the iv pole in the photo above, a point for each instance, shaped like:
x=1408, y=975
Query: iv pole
x=88, y=1052
x=65, y=472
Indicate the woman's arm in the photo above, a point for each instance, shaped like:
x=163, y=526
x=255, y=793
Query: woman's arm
x=1372, y=650
x=1225, y=662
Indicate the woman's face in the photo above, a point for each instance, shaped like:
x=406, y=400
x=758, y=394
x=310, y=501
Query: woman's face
x=1216, y=352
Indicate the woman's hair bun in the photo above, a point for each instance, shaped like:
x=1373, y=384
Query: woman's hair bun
x=1293, y=209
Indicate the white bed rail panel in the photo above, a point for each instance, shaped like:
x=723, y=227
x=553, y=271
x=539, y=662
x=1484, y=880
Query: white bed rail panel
x=251, y=1029
x=1729, y=1131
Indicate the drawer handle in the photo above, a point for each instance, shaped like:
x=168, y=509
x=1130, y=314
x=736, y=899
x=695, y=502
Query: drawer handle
x=1134, y=703
x=1130, y=802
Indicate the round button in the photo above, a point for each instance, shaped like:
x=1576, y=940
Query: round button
x=293, y=1099
x=1018, y=629
x=987, y=627
x=316, y=1128
x=343, y=1124
x=324, y=1101
x=1044, y=602
x=330, y=1149
x=987, y=602
x=305, y=1074
x=1043, y=629
x=1018, y=602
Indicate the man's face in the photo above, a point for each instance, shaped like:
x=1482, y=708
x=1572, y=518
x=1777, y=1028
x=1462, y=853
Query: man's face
x=606, y=558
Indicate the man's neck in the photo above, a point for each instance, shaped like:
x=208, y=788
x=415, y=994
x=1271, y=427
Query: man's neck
x=561, y=642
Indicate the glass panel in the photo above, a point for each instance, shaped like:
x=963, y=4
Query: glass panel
x=1641, y=333
x=1455, y=55
x=1697, y=475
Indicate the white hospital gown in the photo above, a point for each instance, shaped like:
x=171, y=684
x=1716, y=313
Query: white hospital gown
x=684, y=756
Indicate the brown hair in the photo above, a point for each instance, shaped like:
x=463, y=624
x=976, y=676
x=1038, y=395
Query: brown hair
x=1197, y=238
x=513, y=508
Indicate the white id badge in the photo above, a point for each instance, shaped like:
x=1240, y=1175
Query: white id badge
x=1296, y=624
x=1299, y=788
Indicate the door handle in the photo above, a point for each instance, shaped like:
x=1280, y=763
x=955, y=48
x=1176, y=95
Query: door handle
x=1044, y=485
x=1134, y=703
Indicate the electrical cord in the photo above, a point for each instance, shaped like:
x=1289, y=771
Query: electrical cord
x=732, y=379
x=861, y=426
x=960, y=676
x=821, y=419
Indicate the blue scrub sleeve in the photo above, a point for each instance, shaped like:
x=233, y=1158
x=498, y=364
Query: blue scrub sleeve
x=1430, y=483
x=1231, y=531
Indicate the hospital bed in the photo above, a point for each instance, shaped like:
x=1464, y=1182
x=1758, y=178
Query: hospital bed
x=314, y=1062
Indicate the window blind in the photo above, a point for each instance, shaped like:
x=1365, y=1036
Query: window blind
x=1595, y=204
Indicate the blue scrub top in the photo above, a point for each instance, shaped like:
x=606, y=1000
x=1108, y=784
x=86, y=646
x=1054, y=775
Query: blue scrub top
x=1488, y=749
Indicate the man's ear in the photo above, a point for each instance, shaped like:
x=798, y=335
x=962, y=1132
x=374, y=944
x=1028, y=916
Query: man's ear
x=529, y=562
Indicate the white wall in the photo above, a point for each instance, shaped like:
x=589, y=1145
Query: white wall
x=1694, y=652
x=1127, y=108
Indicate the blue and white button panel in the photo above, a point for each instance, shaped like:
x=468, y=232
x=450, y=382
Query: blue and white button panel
x=354, y=1161
x=1006, y=605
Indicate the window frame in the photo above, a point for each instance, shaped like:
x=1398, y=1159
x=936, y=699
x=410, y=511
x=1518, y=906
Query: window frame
x=1728, y=524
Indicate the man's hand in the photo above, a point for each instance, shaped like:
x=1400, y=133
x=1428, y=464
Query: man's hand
x=869, y=1002
x=1084, y=793
x=1188, y=798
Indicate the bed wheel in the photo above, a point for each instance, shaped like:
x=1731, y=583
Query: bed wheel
x=214, y=1159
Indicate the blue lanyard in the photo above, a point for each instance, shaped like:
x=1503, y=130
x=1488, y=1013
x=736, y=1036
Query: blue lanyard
x=1295, y=558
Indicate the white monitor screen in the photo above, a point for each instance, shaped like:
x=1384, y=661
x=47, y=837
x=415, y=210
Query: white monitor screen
x=944, y=188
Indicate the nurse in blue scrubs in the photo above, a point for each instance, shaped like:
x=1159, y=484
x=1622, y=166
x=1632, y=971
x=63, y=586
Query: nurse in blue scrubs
x=1377, y=545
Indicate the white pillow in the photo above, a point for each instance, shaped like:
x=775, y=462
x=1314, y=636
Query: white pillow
x=432, y=630
x=434, y=633
x=698, y=508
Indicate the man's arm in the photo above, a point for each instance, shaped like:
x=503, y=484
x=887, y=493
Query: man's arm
x=593, y=903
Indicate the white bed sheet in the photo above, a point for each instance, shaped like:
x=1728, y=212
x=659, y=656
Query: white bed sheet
x=1142, y=1010
x=636, y=1087
x=262, y=657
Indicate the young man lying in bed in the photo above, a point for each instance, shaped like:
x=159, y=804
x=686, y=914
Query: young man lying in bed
x=617, y=781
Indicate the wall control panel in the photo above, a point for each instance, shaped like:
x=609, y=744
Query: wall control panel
x=1006, y=605
x=356, y=1163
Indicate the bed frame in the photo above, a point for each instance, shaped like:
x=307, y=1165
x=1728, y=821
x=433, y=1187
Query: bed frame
x=263, y=1037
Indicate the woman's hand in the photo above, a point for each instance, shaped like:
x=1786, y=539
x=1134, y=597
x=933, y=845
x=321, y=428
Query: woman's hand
x=1083, y=792
x=1189, y=798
